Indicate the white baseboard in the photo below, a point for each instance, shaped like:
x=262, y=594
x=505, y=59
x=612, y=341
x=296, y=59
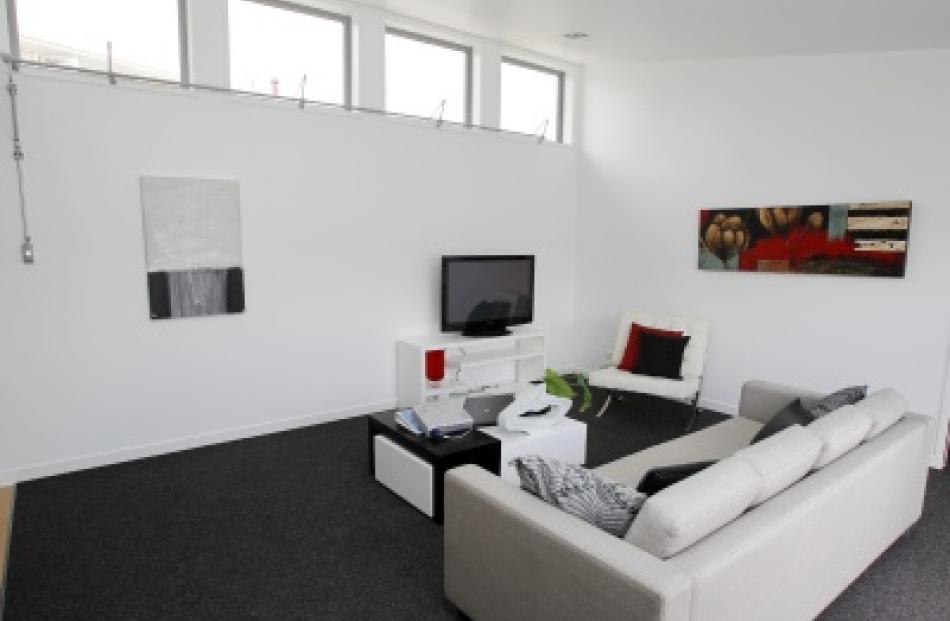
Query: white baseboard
x=732, y=409
x=37, y=471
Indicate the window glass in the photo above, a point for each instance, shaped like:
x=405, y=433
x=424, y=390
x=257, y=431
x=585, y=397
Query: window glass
x=531, y=99
x=74, y=33
x=422, y=73
x=274, y=46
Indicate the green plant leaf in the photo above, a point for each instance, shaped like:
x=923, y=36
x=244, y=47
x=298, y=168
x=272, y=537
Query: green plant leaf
x=586, y=398
x=557, y=385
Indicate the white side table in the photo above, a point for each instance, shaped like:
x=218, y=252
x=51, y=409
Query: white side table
x=566, y=441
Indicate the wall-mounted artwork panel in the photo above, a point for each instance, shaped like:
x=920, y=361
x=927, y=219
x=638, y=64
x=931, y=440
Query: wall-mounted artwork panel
x=856, y=239
x=192, y=247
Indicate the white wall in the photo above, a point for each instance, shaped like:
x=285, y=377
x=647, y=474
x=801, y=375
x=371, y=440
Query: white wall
x=344, y=218
x=4, y=29
x=663, y=140
x=359, y=209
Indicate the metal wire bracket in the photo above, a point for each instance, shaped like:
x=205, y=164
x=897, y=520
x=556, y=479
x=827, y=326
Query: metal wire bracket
x=542, y=130
x=109, y=70
x=439, y=113
x=114, y=76
x=26, y=248
x=303, y=91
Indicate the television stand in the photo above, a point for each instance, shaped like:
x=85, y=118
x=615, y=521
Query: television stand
x=516, y=358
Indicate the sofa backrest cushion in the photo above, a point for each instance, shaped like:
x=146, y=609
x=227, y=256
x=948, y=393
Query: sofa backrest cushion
x=885, y=407
x=781, y=460
x=694, y=357
x=839, y=432
x=682, y=514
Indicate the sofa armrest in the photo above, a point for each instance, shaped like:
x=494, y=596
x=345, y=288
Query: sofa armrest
x=762, y=400
x=508, y=555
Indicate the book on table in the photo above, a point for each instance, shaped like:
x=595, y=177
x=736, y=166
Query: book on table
x=442, y=417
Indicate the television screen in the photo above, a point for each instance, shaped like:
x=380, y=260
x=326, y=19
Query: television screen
x=481, y=295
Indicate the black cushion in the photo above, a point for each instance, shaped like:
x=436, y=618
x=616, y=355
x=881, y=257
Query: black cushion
x=659, y=479
x=661, y=356
x=792, y=414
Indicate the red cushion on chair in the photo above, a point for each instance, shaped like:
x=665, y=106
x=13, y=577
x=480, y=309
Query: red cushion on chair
x=632, y=353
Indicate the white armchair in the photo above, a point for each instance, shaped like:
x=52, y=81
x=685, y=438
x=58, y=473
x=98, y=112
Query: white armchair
x=694, y=358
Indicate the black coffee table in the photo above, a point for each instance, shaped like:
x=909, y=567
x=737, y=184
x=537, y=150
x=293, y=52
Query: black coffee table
x=442, y=455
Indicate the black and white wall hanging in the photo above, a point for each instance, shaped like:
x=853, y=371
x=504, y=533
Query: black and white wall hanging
x=192, y=246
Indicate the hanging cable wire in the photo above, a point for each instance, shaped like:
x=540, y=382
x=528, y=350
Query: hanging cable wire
x=26, y=247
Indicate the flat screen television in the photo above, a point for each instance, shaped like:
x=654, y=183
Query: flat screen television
x=483, y=295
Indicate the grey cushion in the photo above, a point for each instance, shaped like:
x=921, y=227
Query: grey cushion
x=608, y=505
x=792, y=414
x=845, y=396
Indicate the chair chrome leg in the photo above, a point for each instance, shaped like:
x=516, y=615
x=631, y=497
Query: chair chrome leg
x=693, y=415
x=606, y=404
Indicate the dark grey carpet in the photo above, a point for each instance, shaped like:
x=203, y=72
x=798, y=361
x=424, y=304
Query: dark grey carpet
x=290, y=526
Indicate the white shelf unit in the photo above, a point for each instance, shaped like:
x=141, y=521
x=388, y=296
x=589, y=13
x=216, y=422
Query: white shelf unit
x=470, y=363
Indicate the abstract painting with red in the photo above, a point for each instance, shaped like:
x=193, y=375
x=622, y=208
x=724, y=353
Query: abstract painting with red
x=853, y=239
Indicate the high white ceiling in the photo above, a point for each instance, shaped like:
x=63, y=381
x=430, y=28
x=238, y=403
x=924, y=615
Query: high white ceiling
x=678, y=29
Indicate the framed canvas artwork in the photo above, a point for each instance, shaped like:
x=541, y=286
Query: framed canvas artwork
x=856, y=239
x=192, y=247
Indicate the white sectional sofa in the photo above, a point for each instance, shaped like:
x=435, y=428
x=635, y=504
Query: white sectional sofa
x=508, y=555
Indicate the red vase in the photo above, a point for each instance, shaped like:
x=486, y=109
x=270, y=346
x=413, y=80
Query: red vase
x=435, y=365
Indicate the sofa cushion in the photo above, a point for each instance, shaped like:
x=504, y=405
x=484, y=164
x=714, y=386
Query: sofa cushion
x=885, y=407
x=661, y=356
x=839, y=432
x=697, y=329
x=837, y=399
x=710, y=444
x=781, y=460
x=682, y=514
x=631, y=354
x=608, y=505
x=761, y=400
x=661, y=477
x=792, y=414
